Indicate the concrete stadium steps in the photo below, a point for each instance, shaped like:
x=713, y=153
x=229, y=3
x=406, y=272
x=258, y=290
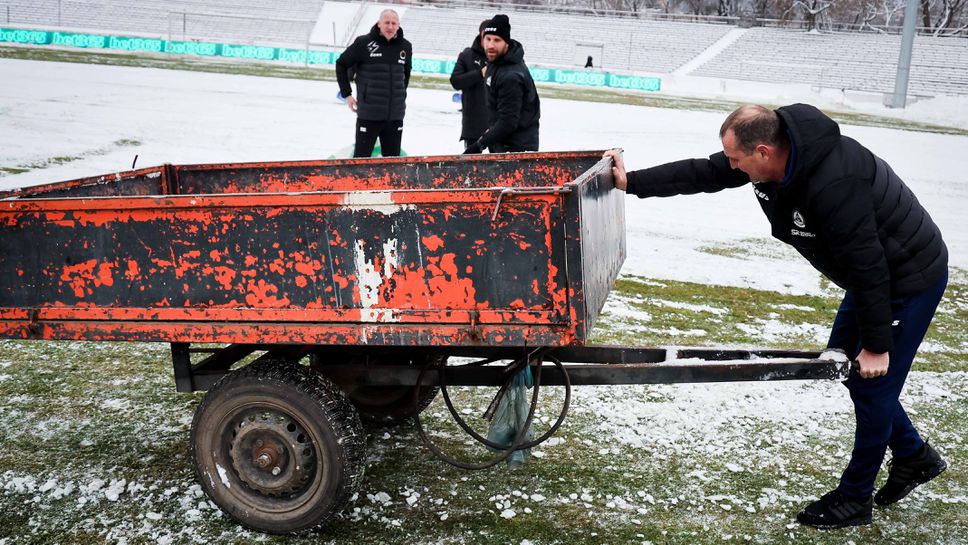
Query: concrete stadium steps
x=627, y=44
x=865, y=62
x=247, y=21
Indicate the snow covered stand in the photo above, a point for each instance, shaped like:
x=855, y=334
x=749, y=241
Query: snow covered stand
x=350, y=283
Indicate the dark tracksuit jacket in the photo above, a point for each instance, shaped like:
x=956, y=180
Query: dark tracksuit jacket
x=840, y=206
x=382, y=70
x=468, y=79
x=512, y=103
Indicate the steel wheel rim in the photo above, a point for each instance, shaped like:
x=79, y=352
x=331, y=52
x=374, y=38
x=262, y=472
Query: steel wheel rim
x=236, y=455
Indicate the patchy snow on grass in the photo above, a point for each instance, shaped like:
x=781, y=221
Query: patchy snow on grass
x=621, y=307
x=771, y=331
x=690, y=306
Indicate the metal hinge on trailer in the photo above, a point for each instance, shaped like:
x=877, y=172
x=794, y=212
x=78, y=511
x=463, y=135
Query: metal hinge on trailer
x=508, y=191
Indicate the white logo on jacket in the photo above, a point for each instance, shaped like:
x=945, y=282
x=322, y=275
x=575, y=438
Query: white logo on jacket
x=799, y=222
x=373, y=47
x=760, y=194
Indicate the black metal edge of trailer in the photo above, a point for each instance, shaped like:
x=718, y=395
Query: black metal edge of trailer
x=586, y=365
x=595, y=243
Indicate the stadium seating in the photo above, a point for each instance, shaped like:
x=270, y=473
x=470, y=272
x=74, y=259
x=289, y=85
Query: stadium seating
x=854, y=61
x=626, y=44
x=245, y=21
x=866, y=62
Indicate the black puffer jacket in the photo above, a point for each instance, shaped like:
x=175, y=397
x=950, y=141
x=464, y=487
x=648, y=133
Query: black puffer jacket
x=840, y=206
x=512, y=103
x=382, y=70
x=468, y=79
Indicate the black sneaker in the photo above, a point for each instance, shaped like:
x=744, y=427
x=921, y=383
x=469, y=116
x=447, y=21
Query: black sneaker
x=907, y=473
x=834, y=510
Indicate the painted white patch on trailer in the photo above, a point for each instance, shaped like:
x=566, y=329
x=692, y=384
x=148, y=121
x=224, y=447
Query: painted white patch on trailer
x=223, y=476
x=390, y=261
x=369, y=280
x=377, y=201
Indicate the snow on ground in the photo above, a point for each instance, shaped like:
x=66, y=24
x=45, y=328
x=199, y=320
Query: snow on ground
x=105, y=115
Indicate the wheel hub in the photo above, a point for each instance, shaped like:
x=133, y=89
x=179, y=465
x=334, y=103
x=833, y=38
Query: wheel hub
x=272, y=454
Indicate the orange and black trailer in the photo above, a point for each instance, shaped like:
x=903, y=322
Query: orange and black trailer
x=361, y=286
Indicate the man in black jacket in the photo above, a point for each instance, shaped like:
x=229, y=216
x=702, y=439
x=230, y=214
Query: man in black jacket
x=381, y=61
x=512, y=99
x=468, y=78
x=855, y=221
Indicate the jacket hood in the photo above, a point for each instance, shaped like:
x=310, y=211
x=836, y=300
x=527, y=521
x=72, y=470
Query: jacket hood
x=476, y=45
x=515, y=54
x=375, y=34
x=812, y=137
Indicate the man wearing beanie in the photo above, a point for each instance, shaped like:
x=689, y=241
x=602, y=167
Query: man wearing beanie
x=381, y=61
x=512, y=99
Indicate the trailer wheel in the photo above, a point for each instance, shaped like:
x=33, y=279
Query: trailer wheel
x=388, y=405
x=278, y=447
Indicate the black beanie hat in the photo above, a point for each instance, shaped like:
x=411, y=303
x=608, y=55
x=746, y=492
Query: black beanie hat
x=499, y=26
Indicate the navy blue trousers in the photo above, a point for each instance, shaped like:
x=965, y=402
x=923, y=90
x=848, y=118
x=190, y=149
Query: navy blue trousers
x=881, y=421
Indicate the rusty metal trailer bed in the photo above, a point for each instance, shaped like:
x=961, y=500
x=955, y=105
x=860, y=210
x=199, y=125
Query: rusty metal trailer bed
x=376, y=272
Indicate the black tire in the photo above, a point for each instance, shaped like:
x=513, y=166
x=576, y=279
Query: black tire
x=388, y=405
x=278, y=447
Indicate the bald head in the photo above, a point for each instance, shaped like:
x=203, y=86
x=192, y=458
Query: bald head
x=752, y=125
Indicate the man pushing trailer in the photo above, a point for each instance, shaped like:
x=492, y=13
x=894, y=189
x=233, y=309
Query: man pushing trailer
x=856, y=222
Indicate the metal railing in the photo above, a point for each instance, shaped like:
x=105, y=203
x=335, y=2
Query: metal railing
x=202, y=21
x=350, y=31
x=653, y=14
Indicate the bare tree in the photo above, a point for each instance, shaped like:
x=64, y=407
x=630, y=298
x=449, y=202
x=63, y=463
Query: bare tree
x=890, y=8
x=633, y=5
x=867, y=18
x=695, y=7
x=813, y=11
x=950, y=13
x=940, y=17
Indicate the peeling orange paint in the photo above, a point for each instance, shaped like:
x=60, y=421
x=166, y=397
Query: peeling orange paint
x=79, y=275
x=236, y=289
x=104, y=275
x=259, y=295
x=225, y=276
x=307, y=269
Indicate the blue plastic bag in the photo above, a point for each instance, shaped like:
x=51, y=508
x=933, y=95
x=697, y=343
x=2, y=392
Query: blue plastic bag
x=511, y=415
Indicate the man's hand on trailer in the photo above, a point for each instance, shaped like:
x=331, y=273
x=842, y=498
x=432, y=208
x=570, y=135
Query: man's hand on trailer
x=618, y=168
x=476, y=147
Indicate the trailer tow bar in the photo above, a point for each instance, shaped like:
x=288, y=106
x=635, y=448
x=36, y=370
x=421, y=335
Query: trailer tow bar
x=611, y=366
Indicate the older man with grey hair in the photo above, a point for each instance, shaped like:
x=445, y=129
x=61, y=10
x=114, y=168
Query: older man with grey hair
x=380, y=61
